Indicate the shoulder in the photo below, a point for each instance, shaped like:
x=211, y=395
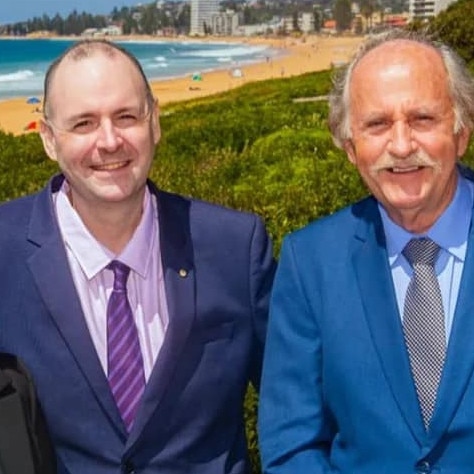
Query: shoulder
x=20, y=208
x=337, y=230
x=15, y=214
x=465, y=171
x=17, y=205
x=205, y=215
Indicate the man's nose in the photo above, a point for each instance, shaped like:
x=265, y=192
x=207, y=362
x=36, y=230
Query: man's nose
x=401, y=142
x=108, y=138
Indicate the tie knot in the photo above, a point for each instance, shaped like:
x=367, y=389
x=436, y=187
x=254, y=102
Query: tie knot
x=121, y=272
x=421, y=251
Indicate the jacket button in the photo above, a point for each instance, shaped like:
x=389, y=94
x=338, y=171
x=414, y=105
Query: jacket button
x=423, y=467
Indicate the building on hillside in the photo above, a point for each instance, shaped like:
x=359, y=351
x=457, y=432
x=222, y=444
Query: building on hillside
x=425, y=9
x=253, y=30
x=225, y=23
x=111, y=30
x=329, y=27
x=306, y=22
x=201, y=16
x=378, y=21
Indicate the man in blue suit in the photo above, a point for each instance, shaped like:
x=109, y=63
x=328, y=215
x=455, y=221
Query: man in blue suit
x=369, y=360
x=153, y=382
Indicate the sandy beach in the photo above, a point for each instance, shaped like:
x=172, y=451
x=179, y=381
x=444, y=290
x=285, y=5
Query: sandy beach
x=312, y=53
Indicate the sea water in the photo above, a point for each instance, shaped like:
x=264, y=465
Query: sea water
x=23, y=62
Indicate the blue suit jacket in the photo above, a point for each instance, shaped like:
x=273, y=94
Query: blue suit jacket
x=191, y=418
x=337, y=392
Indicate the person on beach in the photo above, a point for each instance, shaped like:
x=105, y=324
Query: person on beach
x=369, y=360
x=140, y=313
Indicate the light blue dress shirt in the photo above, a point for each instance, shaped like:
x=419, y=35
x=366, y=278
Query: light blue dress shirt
x=450, y=232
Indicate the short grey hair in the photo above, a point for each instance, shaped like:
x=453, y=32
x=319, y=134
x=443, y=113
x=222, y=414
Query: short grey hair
x=460, y=81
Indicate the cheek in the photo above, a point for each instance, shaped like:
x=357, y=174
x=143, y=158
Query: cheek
x=72, y=154
x=368, y=151
x=440, y=145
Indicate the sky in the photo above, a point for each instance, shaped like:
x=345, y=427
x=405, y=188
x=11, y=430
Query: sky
x=12, y=11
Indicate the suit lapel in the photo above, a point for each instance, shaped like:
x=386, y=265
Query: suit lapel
x=381, y=312
x=49, y=267
x=178, y=268
x=459, y=363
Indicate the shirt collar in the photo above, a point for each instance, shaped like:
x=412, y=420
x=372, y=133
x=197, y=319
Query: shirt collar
x=91, y=255
x=456, y=216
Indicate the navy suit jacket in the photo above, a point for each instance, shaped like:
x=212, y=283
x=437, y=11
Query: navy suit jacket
x=337, y=392
x=191, y=417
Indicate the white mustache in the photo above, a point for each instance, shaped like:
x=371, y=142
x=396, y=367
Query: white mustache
x=415, y=160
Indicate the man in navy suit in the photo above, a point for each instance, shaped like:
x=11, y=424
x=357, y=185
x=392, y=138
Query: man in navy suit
x=369, y=358
x=194, y=301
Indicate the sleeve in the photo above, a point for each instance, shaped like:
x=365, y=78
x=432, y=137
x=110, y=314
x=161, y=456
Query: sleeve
x=295, y=427
x=262, y=270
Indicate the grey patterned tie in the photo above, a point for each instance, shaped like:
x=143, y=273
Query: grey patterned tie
x=423, y=323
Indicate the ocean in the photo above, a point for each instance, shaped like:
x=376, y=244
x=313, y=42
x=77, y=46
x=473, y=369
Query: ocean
x=23, y=62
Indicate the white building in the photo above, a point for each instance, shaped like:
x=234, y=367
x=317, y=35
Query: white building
x=423, y=9
x=306, y=22
x=225, y=23
x=201, y=15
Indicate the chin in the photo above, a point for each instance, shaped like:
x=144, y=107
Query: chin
x=403, y=203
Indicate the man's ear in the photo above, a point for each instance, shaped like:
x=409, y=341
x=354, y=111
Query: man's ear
x=47, y=137
x=350, y=150
x=155, y=122
x=463, y=137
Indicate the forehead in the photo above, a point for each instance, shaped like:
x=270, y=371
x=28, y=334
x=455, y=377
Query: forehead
x=399, y=71
x=400, y=51
x=96, y=78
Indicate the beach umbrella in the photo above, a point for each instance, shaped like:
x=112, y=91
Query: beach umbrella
x=33, y=100
x=196, y=76
x=237, y=72
x=31, y=125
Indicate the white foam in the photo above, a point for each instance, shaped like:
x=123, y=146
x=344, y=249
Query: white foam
x=228, y=52
x=157, y=66
x=22, y=75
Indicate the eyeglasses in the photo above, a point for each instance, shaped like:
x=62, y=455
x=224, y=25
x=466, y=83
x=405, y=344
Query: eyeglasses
x=88, y=124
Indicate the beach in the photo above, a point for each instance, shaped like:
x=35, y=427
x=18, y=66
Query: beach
x=298, y=56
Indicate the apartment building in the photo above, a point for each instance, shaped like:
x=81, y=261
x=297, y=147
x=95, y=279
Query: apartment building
x=425, y=9
x=201, y=16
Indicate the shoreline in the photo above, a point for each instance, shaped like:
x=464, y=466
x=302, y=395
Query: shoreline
x=298, y=56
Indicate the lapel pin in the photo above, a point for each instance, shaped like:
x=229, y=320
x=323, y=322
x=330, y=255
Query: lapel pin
x=183, y=273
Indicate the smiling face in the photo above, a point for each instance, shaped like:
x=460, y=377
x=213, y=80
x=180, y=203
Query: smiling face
x=402, y=132
x=101, y=129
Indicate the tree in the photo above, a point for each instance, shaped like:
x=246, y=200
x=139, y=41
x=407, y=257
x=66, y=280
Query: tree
x=342, y=15
x=367, y=9
x=294, y=20
x=454, y=27
x=149, y=20
x=318, y=19
x=183, y=19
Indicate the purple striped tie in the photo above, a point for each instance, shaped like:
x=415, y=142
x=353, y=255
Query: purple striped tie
x=124, y=358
